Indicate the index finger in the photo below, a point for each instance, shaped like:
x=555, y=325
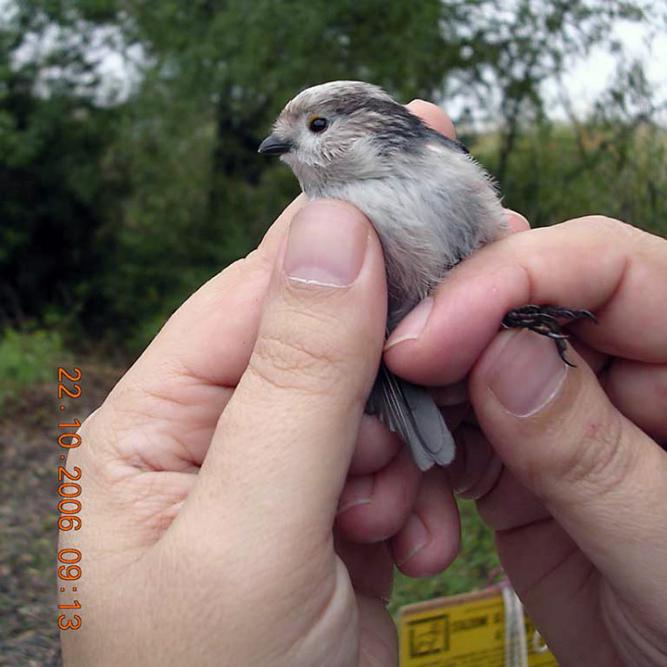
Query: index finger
x=615, y=270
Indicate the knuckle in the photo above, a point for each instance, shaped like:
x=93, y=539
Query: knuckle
x=286, y=362
x=605, y=225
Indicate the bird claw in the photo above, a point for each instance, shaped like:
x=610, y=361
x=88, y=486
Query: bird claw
x=544, y=320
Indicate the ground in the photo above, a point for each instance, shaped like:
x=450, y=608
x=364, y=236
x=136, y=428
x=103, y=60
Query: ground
x=28, y=498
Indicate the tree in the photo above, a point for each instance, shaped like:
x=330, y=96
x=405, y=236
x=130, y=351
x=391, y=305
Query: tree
x=54, y=200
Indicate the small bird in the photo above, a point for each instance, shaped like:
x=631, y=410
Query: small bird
x=431, y=205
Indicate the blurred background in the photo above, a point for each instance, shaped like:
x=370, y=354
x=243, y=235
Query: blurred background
x=129, y=176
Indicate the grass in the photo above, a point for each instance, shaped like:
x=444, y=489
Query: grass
x=27, y=358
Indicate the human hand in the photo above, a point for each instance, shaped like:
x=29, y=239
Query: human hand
x=564, y=462
x=213, y=472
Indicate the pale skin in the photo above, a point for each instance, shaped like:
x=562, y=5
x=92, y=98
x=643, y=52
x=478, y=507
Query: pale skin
x=239, y=508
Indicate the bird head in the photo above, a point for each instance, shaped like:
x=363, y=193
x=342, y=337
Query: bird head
x=341, y=131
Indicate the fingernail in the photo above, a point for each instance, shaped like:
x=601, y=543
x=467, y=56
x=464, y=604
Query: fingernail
x=414, y=533
x=527, y=373
x=413, y=324
x=515, y=223
x=358, y=491
x=520, y=216
x=326, y=244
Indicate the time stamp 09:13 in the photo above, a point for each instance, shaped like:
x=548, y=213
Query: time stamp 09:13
x=69, y=501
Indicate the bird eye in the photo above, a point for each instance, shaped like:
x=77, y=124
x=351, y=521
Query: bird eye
x=317, y=124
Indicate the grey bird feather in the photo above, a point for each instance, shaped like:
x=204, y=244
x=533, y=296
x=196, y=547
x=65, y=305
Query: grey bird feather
x=430, y=202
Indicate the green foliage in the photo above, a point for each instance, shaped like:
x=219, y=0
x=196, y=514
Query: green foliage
x=27, y=358
x=55, y=199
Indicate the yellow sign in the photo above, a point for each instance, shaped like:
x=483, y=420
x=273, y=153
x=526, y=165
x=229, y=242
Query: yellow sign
x=463, y=631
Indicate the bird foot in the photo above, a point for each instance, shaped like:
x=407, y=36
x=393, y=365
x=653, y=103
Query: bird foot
x=544, y=320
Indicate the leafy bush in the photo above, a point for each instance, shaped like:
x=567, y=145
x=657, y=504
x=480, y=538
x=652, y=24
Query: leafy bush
x=27, y=358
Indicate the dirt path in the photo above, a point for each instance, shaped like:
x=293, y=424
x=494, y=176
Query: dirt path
x=28, y=498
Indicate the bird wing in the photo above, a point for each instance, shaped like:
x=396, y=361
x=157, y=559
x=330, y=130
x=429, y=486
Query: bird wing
x=410, y=411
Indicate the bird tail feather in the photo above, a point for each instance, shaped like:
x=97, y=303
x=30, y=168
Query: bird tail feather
x=410, y=411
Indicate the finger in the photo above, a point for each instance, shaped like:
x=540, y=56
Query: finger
x=308, y=378
x=433, y=116
x=376, y=447
x=600, y=477
x=639, y=391
x=372, y=508
x=370, y=566
x=378, y=641
x=429, y=541
x=603, y=265
x=517, y=222
x=476, y=468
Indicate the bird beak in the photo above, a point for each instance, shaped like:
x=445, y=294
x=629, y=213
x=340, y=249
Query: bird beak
x=274, y=145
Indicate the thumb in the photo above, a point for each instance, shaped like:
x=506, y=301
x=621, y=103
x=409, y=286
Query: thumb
x=598, y=474
x=284, y=442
